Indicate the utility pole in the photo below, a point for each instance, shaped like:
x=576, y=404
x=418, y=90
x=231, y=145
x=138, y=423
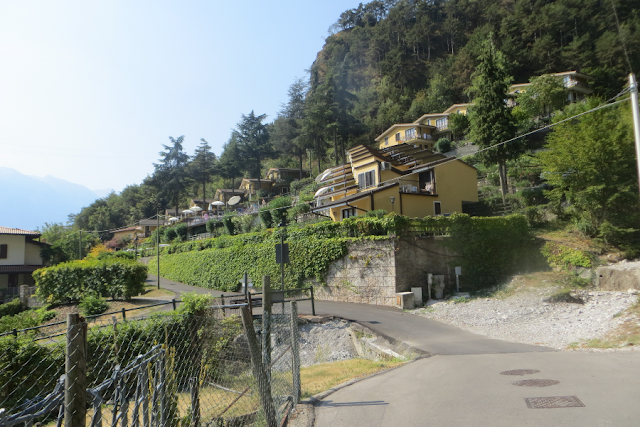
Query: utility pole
x=79, y=244
x=158, y=245
x=633, y=86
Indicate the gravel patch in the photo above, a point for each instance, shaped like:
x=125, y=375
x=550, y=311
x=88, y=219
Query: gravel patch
x=326, y=342
x=527, y=318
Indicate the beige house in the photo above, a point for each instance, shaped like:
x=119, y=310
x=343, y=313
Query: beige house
x=19, y=258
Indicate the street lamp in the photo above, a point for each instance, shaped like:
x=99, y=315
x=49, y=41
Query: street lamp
x=393, y=199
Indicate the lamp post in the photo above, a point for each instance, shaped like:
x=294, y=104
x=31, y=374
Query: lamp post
x=393, y=199
x=158, y=245
x=135, y=241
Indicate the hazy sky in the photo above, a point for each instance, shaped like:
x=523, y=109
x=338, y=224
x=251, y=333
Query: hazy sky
x=89, y=90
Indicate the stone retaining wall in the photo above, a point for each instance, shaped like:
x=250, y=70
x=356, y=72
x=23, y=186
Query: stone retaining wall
x=373, y=271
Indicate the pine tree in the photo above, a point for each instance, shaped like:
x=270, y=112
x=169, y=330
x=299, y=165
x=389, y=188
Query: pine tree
x=202, y=166
x=254, y=144
x=170, y=177
x=490, y=119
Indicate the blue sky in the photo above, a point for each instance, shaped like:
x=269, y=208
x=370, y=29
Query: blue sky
x=89, y=90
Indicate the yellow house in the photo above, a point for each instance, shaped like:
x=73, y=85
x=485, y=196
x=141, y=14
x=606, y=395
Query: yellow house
x=130, y=232
x=407, y=133
x=249, y=186
x=404, y=178
x=440, y=121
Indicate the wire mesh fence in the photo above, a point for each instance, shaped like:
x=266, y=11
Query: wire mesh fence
x=169, y=370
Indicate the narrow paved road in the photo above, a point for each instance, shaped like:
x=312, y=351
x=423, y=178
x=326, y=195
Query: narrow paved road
x=462, y=385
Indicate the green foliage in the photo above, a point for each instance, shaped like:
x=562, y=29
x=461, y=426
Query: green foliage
x=590, y=163
x=443, y=145
x=170, y=176
x=265, y=217
x=170, y=234
x=64, y=242
x=542, y=97
x=72, y=281
x=377, y=213
x=213, y=225
x=181, y=231
x=560, y=256
x=117, y=255
x=91, y=305
x=195, y=304
x=11, y=308
x=489, y=249
x=26, y=319
x=229, y=225
x=297, y=210
x=279, y=207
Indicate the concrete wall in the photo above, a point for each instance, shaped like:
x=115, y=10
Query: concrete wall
x=618, y=277
x=374, y=271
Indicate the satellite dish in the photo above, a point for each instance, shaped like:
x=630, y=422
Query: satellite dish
x=234, y=200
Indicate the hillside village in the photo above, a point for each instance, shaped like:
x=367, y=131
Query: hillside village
x=462, y=197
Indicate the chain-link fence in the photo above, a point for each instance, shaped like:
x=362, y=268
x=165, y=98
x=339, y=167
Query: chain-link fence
x=171, y=370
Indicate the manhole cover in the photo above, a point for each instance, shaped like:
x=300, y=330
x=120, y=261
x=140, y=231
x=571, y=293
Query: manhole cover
x=535, y=383
x=520, y=372
x=553, y=402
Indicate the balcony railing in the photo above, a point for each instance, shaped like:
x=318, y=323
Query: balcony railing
x=416, y=187
x=424, y=136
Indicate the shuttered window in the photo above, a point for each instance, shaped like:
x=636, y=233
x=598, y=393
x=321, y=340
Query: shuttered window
x=366, y=179
x=3, y=251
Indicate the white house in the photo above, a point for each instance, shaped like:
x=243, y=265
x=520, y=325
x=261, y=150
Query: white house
x=19, y=257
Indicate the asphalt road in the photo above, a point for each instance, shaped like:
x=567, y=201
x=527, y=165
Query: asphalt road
x=460, y=385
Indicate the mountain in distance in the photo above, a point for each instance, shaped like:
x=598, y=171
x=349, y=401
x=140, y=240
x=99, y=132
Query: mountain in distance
x=28, y=201
x=103, y=192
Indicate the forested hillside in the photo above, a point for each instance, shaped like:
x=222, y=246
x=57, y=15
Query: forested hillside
x=392, y=61
x=389, y=62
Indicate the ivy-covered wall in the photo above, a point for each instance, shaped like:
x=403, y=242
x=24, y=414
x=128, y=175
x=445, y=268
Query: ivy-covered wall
x=361, y=259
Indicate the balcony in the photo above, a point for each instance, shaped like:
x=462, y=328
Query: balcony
x=417, y=137
x=417, y=187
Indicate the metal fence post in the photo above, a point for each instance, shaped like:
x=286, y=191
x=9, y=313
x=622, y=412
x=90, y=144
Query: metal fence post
x=266, y=322
x=313, y=305
x=195, y=402
x=259, y=373
x=295, y=352
x=75, y=396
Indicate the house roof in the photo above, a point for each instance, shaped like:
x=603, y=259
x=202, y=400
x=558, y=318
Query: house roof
x=356, y=196
x=227, y=190
x=454, y=106
x=126, y=229
x=151, y=222
x=203, y=201
x=386, y=132
x=19, y=268
x=18, y=231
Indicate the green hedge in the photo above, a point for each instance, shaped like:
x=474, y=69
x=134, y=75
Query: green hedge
x=491, y=248
x=560, y=256
x=222, y=268
x=72, y=281
x=11, y=308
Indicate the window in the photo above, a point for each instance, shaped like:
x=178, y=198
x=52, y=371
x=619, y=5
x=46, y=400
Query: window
x=386, y=140
x=437, y=210
x=410, y=134
x=366, y=179
x=397, y=136
x=441, y=123
x=3, y=252
x=348, y=213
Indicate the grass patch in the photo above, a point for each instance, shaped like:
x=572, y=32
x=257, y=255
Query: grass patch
x=151, y=291
x=318, y=378
x=626, y=334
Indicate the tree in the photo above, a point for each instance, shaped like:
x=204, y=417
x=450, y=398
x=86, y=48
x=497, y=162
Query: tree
x=65, y=243
x=490, y=120
x=542, y=97
x=170, y=176
x=202, y=164
x=287, y=130
x=590, y=163
x=229, y=163
x=253, y=143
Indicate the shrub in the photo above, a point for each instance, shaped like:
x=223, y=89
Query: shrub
x=11, y=308
x=279, y=206
x=378, y=213
x=72, y=281
x=170, y=234
x=266, y=218
x=91, y=305
x=195, y=304
x=213, y=225
x=443, y=145
x=228, y=224
x=563, y=257
x=26, y=319
x=181, y=231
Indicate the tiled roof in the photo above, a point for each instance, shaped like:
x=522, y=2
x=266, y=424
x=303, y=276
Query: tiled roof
x=126, y=229
x=18, y=231
x=19, y=268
